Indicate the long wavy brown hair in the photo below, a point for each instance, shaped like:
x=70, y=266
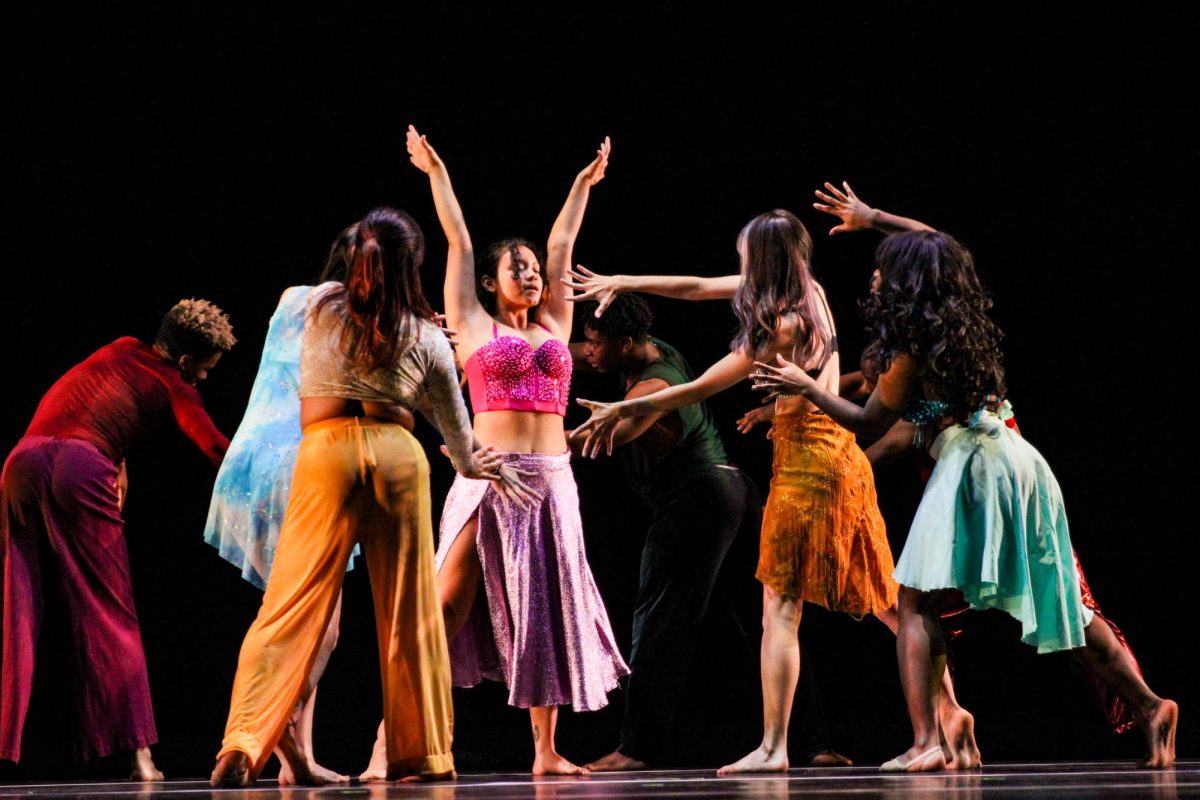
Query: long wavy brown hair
x=381, y=297
x=932, y=306
x=777, y=279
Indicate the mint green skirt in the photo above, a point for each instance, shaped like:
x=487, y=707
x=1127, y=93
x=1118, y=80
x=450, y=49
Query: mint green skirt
x=992, y=525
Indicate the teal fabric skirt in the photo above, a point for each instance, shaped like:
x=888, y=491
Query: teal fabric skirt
x=992, y=525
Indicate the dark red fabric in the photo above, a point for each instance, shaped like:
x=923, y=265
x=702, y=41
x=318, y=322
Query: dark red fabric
x=62, y=535
x=120, y=393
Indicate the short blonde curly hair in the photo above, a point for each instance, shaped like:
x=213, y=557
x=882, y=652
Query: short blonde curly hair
x=196, y=328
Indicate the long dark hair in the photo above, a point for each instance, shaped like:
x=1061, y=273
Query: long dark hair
x=337, y=263
x=382, y=293
x=931, y=305
x=776, y=251
x=491, y=266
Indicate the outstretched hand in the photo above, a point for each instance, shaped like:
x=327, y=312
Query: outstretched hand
x=590, y=285
x=420, y=152
x=854, y=213
x=593, y=173
x=757, y=416
x=599, y=427
x=781, y=378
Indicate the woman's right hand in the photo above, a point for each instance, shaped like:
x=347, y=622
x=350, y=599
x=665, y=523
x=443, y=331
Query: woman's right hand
x=854, y=213
x=590, y=285
x=421, y=153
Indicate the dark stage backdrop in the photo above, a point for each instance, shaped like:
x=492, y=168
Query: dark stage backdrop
x=173, y=153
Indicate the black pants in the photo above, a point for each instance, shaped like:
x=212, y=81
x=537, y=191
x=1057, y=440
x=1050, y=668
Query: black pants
x=692, y=530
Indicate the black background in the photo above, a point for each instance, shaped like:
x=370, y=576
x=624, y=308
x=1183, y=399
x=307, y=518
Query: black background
x=174, y=152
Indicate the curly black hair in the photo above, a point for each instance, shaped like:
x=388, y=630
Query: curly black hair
x=931, y=305
x=627, y=315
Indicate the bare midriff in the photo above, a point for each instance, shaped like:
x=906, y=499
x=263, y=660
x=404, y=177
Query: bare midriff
x=521, y=431
x=319, y=409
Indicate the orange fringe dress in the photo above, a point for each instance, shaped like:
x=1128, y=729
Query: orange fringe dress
x=823, y=539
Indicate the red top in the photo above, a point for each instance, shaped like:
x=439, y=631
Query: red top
x=120, y=393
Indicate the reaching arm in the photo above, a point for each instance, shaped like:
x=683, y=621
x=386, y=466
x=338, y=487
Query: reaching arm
x=603, y=288
x=893, y=444
x=556, y=306
x=883, y=407
x=463, y=310
x=858, y=216
x=854, y=386
x=605, y=416
x=628, y=428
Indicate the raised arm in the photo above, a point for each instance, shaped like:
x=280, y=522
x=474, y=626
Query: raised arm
x=858, y=216
x=603, y=288
x=601, y=424
x=463, y=310
x=556, y=307
x=885, y=405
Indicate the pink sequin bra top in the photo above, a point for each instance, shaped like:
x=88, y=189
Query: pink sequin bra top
x=508, y=374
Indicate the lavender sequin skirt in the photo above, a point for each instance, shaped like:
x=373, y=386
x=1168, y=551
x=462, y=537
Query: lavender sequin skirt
x=539, y=626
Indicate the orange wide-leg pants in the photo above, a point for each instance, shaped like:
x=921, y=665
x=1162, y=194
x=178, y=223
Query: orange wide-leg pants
x=366, y=481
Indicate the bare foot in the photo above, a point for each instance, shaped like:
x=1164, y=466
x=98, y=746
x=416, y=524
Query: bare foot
x=233, y=769
x=961, y=751
x=914, y=760
x=310, y=774
x=616, y=761
x=377, y=767
x=143, y=768
x=830, y=758
x=1160, y=735
x=760, y=760
x=554, y=764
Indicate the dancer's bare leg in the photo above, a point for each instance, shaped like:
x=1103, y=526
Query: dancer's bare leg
x=616, y=761
x=921, y=653
x=780, y=671
x=233, y=769
x=142, y=766
x=377, y=769
x=546, y=760
x=957, y=724
x=459, y=579
x=1158, y=718
x=295, y=749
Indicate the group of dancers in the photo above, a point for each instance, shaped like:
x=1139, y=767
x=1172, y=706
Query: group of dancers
x=324, y=464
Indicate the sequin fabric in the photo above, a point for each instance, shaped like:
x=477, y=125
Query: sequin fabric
x=823, y=539
x=539, y=626
x=251, y=490
x=507, y=373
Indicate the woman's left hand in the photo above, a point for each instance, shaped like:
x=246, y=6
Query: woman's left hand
x=781, y=378
x=599, y=427
x=593, y=173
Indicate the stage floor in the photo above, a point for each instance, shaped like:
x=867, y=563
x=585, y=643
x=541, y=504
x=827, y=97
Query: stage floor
x=1029, y=781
